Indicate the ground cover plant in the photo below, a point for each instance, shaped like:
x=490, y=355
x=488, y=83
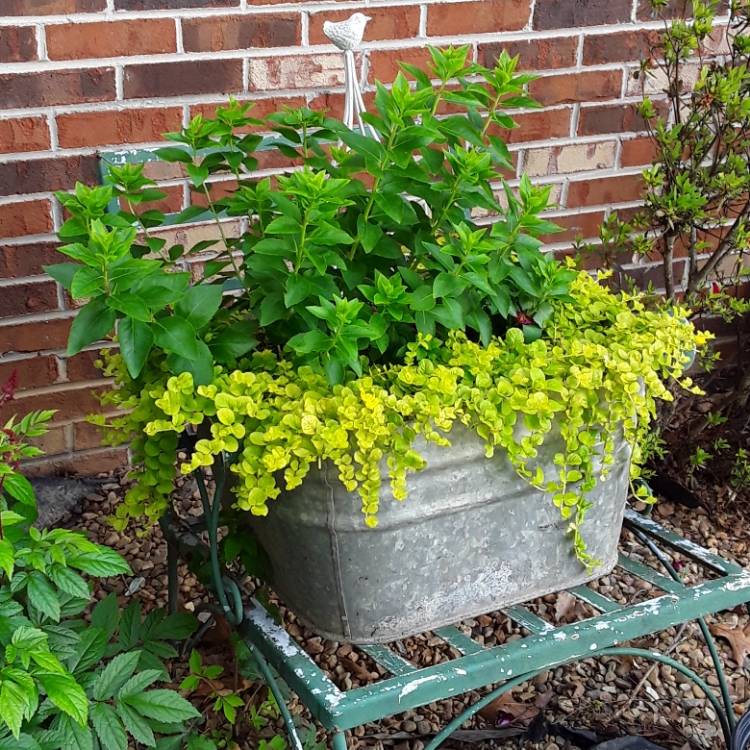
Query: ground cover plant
x=68, y=681
x=364, y=305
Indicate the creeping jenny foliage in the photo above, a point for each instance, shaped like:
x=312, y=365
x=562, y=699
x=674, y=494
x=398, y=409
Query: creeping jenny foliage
x=378, y=306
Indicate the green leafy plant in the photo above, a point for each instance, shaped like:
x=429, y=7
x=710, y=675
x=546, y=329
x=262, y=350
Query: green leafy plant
x=697, y=192
x=66, y=683
x=365, y=305
x=223, y=700
x=335, y=270
x=740, y=477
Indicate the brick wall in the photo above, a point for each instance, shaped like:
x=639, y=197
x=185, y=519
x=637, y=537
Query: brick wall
x=77, y=76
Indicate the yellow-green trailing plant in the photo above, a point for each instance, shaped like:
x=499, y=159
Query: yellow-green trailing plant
x=604, y=361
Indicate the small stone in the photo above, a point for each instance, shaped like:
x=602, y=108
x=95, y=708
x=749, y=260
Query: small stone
x=424, y=727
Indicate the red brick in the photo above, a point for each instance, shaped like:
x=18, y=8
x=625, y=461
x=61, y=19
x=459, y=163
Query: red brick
x=17, y=43
x=576, y=226
x=25, y=217
x=44, y=175
x=86, y=436
x=534, y=54
x=609, y=118
x=54, y=87
x=241, y=32
x=27, y=260
x=296, y=71
x=619, y=47
x=34, y=372
x=638, y=152
x=116, y=127
x=577, y=87
x=561, y=14
x=28, y=297
x=485, y=16
x=384, y=64
x=70, y=403
x=20, y=134
x=171, y=203
x=55, y=441
x=602, y=192
x=180, y=78
x=74, y=41
x=389, y=22
x=173, y=4
x=34, y=336
x=537, y=126
x=82, y=366
x=50, y=7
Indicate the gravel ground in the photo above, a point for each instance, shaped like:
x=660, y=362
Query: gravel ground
x=611, y=697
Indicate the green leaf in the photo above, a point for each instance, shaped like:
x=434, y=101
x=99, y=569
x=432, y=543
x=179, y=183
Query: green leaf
x=115, y=675
x=283, y=225
x=199, y=304
x=76, y=737
x=87, y=282
x=130, y=305
x=136, y=339
x=298, y=288
x=108, y=727
x=369, y=234
x=69, y=582
x=103, y=563
x=7, y=557
x=173, y=154
x=309, y=342
x=62, y=273
x=136, y=725
x=139, y=682
x=447, y=285
x=14, y=701
x=19, y=488
x=177, y=335
x=90, y=649
x=23, y=742
x=162, y=705
x=271, y=309
x=200, y=366
x=66, y=694
x=106, y=615
x=174, y=627
x=93, y=322
x=42, y=596
x=160, y=290
x=450, y=314
x=234, y=341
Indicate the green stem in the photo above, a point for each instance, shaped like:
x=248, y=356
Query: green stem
x=223, y=236
x=373, y=190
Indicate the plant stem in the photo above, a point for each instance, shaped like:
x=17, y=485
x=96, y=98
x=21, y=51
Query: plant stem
x=221, y=231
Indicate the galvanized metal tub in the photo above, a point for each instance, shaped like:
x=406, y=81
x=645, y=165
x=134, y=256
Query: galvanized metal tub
x=472, y=537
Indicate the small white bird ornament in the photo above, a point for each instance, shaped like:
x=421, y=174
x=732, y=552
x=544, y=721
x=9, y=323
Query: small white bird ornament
x=347, y=36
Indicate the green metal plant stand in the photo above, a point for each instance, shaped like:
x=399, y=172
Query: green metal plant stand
x=506, y=666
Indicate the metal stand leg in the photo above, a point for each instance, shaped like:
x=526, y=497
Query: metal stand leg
x=339, y=741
